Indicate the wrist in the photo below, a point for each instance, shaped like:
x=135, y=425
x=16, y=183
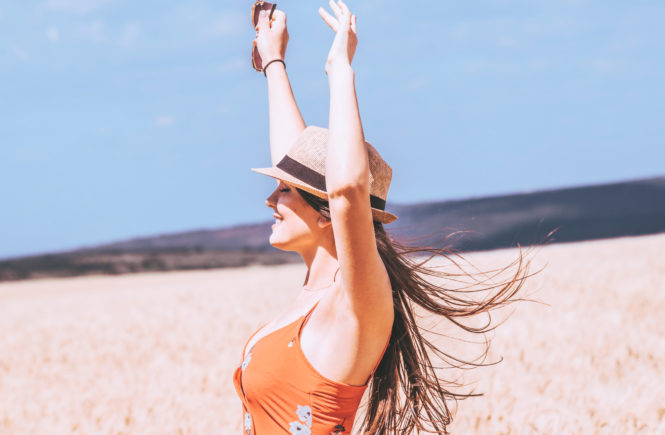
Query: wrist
x=274, y=65
x=336, y=70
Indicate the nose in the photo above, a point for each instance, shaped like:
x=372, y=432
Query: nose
x=271, y=201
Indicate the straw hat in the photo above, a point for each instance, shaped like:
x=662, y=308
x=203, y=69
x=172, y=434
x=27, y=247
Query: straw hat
x=304, y=166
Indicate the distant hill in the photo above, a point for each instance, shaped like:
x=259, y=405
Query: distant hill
x=252, y=237
x=580, y=213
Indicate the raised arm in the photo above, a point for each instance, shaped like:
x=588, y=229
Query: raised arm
x=365, y=280
x=286, y=122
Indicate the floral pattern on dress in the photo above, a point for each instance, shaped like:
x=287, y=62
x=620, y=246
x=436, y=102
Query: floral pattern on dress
x=304, y=426
x=248, y=423
x=339, y=428
x=297, y=428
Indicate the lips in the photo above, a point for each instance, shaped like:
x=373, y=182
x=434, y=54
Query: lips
x=278, y=218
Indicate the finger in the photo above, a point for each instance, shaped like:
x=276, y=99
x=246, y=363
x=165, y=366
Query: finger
x=344, y=8
x=345, y=17
x=279, y=16
x=335, y=8
x=264, y=24
x=263, y=18
x=329, y=19
x=279, y=19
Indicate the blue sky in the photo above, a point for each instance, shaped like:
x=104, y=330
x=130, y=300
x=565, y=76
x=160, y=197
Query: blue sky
x=121, y=118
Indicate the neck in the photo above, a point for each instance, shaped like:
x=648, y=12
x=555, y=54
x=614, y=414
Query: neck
x=321, y=264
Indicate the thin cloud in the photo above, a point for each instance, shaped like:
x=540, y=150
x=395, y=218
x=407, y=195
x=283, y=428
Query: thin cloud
x=19, y=52
x=609, y=65
x=229, y=24
x=164, y=121
x=130, y=34
x=93, y=31
x=74, y=6
x=417, y=84
x=233, y=65
x=52, y=34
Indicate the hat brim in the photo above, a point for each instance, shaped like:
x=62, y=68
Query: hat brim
x=274, y=172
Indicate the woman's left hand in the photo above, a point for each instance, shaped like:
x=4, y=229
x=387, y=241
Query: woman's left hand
x=344, y=25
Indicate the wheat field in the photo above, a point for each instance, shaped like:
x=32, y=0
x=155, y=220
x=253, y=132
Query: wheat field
x=154, y=353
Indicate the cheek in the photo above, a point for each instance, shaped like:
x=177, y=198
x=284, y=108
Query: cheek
x=290, y=233
x=294, y=209
x=296, y=225
x=292, y=225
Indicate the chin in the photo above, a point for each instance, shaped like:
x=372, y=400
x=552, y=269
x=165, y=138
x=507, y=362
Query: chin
x=275, y=242
x=284, y=241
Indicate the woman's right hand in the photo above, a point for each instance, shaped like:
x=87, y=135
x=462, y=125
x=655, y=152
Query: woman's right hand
x=271, y=36
x=346, y=38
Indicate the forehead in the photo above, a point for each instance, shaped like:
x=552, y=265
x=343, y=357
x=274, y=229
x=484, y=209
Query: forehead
x=282, y=183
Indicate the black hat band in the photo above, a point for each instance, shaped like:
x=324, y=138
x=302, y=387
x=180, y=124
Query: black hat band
x=317, y=180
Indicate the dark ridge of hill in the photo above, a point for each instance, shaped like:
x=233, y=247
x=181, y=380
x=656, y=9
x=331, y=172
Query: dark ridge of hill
x=236, y=246
x=251, y=237
x=580, y=213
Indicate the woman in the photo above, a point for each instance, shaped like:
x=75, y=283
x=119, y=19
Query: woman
x=352, y=325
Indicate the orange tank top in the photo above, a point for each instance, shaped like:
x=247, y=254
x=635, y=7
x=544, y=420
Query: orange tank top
x=282, y=393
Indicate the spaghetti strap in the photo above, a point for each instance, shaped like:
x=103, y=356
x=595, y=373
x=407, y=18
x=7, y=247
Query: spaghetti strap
x=282, y=392
x=385, y=348
x=380, y=359
x=305, y=317
x=244, y=349
x=309, y=313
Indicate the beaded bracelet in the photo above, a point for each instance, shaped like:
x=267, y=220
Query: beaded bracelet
x=274, y=60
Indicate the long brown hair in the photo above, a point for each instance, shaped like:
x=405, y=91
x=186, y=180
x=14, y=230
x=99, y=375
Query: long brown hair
x=405, y=392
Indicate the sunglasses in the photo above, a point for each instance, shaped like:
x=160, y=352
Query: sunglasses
x=259, y=6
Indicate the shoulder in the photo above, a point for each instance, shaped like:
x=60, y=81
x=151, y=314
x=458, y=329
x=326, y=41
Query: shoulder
x=370, y=309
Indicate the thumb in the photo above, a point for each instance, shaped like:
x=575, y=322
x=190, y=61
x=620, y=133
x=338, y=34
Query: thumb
x=279, y=17
x=264, y=23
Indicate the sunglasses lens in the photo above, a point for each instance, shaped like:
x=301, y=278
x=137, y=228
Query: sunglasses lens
x=256, y=59
x=256, y=10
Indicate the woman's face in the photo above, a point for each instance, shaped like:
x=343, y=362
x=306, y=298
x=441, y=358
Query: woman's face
x=297, y=225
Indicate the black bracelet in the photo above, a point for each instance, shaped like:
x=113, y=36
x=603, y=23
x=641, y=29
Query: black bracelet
x=274, y=60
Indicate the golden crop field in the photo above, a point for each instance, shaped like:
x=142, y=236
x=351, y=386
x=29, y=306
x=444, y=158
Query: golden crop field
x=154, y=353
